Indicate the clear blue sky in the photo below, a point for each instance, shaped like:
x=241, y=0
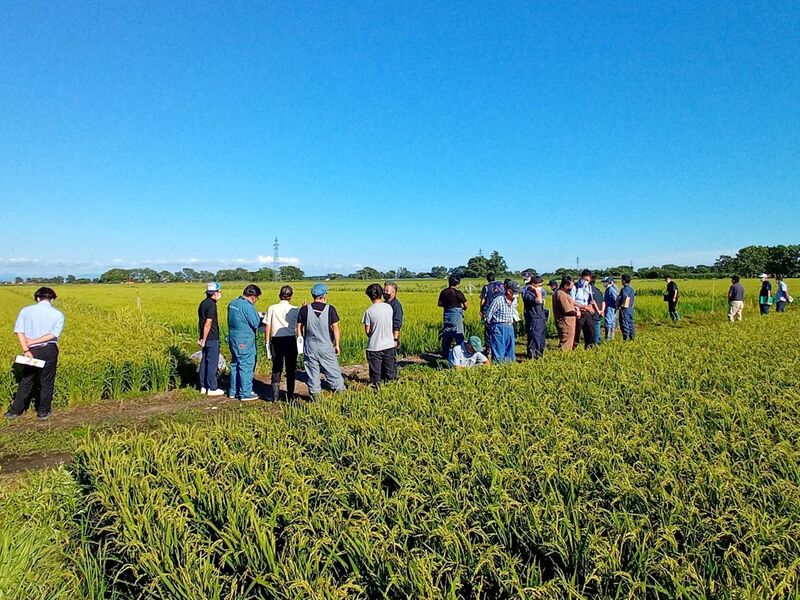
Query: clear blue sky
x=395, y=133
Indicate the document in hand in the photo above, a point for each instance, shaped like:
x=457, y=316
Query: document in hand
x=31, y=362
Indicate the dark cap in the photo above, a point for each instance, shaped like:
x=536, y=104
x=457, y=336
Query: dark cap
x=553, y=282
x=513, y=286
x=537, y=279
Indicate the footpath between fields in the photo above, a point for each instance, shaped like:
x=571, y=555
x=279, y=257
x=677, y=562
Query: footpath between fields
x=29, y=445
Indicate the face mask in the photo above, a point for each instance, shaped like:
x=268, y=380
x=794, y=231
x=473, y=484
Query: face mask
x=386, y=297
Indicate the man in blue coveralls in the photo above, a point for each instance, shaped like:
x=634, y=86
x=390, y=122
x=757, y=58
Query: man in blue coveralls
x=610, y=301
x=625, y=302
x=243, y=324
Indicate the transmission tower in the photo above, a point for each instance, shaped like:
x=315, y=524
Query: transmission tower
x=275, y=267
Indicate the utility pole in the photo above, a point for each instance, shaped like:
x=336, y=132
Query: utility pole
x=275, y=267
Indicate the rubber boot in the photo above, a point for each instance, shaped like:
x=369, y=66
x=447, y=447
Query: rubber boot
x=276, y=392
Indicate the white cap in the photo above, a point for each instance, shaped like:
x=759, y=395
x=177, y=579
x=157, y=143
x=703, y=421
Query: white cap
x=763, y=276
x=213, y=287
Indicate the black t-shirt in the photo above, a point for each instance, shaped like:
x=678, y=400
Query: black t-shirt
x=597, y=296
x=452, y=298
x=208, y=310
x=672, y=292
x=766, y=290
x=333, y=316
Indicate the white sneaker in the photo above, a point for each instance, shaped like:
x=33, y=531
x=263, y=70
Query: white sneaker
x=203, y=390
x=216, y=393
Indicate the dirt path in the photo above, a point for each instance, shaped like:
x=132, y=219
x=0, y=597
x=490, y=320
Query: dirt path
x=131, y=412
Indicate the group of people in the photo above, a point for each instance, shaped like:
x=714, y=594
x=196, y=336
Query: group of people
x=765, y=297
x=579, y=307
x=311, y=329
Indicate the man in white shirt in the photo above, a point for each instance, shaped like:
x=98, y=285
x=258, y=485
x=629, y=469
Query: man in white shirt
x=280, y=324
x=381, y=348
x=38, y=328
x=468, y=354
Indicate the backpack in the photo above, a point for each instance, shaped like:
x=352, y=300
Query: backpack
x=492, y=291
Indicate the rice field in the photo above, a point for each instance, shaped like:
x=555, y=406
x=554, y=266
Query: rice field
x=128, y=339
x=668, y=467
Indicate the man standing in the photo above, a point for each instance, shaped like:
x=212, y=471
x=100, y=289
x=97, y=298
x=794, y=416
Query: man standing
x=533, y=299
x=280, y=325
x=598, y=299
x=671, y=298
x=381, y=351
x=454, y=303
x=782, y=296
x=208, y=340
x=765, y=295
x=500, y=317
x=390, y=296
x=735, y=300
x=610, y=307
x=318, y=323
x=625, y=302
x=38, y=328
x=468, y=354
x=565, y=314
x=581, y=293
x=243, y=324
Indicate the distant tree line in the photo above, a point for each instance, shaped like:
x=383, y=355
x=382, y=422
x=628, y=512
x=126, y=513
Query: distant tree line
x=749, y=261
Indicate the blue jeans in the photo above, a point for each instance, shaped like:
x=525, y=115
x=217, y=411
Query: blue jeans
x=626, y=323
x=209, y=362
x=610, y=323
x=780, y=306
x=502, y=342
x=452, y=329
x=243, y=363
x=598, y=335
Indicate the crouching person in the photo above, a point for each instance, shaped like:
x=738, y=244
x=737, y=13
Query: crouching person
x=468, y=354
x=318, y=323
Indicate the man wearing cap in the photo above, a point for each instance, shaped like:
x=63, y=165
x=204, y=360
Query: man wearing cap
x=243, y=324
x=468, y=354
x=500, y=317
x=533, y=298
x=318, y=323
x=765, y=295
x=610, y=307
x=280, y=325
x=585, y=307
x=208, y=340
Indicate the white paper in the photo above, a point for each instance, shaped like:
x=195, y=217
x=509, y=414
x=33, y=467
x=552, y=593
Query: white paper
x=31, y=362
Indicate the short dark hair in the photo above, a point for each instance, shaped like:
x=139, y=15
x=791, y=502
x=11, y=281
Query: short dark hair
x=626, y=278
x=453, y=280
x=565, y=280
x=735, y=278
x=778, y=277
x=286, y=292
x=374, y=291
x=586, y=272
x=490, y=276
x=252, y=290
x=45, y=293
x=390, y=283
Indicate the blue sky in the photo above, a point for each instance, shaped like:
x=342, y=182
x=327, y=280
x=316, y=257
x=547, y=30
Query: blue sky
x=395, y=134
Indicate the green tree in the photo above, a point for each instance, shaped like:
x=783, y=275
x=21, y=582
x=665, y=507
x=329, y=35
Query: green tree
x=368, y=273
x=752, y=260
x=439, y=272
x=291, y=273
x=264, y=274
x=477, y=266
x=497, y=264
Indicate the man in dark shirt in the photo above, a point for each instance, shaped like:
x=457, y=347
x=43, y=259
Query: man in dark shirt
x=765, y=295
x=671, y=298
x=597, y=315
x=390, y=297
x=454, y=303
x=735, y=300
x=625, y=302
x=208, y=340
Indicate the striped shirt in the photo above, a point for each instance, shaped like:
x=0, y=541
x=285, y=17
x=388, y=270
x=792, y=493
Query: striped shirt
x=500, y=311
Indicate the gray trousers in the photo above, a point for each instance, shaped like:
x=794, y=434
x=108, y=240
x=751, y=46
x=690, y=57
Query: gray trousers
x=327, y=363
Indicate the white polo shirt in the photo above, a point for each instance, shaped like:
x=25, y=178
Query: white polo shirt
x=282, y=319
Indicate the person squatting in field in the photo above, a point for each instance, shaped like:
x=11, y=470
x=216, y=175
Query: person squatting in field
x=280, y=328
x=468, y=354
x=38, y=328
x=453, y=303
x=318, y=323
x=243, y=324
x=208, y=340
x=381, y=347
